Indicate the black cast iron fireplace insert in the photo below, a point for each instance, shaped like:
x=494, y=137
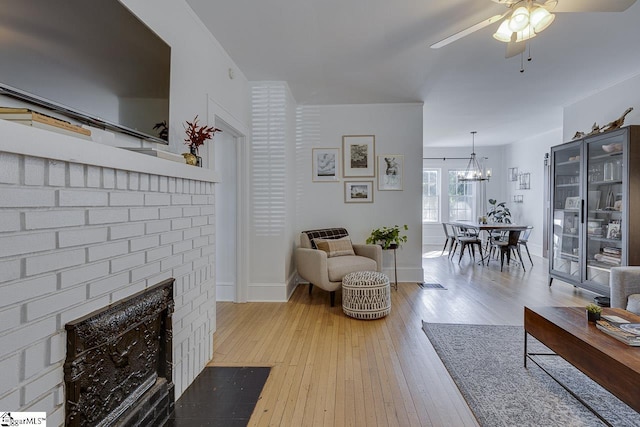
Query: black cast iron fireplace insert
x=118, y=370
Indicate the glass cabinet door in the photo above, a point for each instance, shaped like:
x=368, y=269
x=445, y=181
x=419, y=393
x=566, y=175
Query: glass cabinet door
x=604, y=219
x=567, y=208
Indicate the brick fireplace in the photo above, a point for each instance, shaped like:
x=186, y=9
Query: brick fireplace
x=83, y=225
x=118, y=369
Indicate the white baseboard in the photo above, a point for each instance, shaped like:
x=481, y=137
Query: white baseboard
x=225, y=292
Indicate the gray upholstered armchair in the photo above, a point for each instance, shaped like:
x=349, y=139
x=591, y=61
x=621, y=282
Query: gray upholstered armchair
x=326, y=255
x=625, y=288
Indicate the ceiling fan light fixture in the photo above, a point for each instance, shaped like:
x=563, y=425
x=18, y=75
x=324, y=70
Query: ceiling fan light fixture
x=526, y=34
x=503, y=33
x=541, y=18
x=519, y=19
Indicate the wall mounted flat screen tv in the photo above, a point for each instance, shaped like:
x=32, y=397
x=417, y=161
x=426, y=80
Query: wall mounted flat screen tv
x=91, y=60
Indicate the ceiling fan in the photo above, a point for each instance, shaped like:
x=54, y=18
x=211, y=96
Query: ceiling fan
x=524, y=19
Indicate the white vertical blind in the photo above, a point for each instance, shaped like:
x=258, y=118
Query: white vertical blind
x=268, y=167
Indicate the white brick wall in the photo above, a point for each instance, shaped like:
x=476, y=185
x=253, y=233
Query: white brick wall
x=74, y=238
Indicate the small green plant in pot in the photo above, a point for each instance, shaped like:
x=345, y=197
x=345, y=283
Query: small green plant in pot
x=388, y=237
x=593, y=312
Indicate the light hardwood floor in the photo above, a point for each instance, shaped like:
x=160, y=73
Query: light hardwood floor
x=332, y=370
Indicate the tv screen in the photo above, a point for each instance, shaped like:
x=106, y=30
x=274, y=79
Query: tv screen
x=94, y=61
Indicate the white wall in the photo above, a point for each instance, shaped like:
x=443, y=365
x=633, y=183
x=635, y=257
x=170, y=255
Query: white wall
x=603, y=107
x=528, y=156
x=272, y=173
x=398, y=130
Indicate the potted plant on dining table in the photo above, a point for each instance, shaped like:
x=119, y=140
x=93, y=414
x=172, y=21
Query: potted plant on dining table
x=499, y=212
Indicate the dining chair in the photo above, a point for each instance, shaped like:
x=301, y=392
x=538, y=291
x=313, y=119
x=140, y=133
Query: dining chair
x=450, y=235
x=506, y=246
x=524, y=238
x=469, y=241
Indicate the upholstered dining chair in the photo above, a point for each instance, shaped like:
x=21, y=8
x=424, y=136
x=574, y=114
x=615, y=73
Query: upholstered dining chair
x=326, y=255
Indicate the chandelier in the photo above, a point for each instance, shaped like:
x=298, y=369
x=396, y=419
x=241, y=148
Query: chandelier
x=474, y=172
x=527, y=19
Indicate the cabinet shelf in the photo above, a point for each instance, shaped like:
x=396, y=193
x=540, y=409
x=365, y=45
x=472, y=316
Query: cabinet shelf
x=567, y=185
x=607, y=212
x=605, y=240
x=603, y=183
x=601, y=265
x=571, y=236
x=606, y=155
x=570, y=162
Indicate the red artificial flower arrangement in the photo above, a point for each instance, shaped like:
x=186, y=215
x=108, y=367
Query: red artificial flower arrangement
x=197, y=135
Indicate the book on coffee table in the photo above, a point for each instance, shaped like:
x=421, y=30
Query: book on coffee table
x=628, y=333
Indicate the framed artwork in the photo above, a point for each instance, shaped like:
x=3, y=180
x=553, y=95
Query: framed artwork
x=572, y=203
x=358, y=156
x=390, y=171
x=325, y=164
x=358, y=191
x=525, y=181
x=513, y=174
x=613, y=230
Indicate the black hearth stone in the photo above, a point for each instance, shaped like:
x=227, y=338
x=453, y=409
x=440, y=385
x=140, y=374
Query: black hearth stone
x=220, y=396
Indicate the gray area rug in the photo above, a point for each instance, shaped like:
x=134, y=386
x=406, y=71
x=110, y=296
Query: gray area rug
x=486, y=363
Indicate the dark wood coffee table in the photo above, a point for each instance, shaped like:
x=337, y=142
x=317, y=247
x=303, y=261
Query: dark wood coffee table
x=612, y=364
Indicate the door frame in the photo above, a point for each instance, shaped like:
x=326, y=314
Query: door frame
x=222, y=118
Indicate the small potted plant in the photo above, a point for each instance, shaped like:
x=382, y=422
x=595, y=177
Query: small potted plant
x=196, y=136
x=388, y=237
x=593, y=312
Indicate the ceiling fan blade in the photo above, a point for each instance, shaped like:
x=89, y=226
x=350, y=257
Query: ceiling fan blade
x=514, y=49
x=467, y=31
x=589, y=5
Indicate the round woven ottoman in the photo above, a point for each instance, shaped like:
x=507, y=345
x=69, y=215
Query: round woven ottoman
x=366, y=295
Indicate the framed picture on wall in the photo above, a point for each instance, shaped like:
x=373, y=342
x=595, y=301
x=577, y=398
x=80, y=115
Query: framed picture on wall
x=513, y=174
x=358, y=192
x=325, y=164
x=390, y=171
x=358, y=156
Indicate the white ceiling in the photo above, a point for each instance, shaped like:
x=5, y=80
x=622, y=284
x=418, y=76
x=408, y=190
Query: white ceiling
x=377, y=51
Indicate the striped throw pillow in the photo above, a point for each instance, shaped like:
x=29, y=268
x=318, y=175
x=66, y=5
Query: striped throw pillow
x=335, y=247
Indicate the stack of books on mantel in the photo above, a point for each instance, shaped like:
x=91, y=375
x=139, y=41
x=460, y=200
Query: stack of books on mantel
x=620, y=329
x=29, y=117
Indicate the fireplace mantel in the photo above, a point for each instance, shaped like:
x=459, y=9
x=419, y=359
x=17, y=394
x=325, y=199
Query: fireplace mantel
x=25, y=140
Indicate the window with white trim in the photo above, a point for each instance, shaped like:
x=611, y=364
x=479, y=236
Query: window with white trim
x=461, y=198
x=430, y=195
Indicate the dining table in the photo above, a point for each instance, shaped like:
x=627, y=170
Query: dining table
x=488, y=227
